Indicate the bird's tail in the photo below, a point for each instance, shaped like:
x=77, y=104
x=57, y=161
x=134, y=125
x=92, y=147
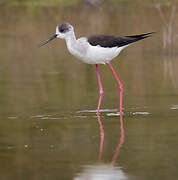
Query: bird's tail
x=140, y=36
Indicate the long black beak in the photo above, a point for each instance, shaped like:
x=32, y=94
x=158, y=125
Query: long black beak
x=46, y=41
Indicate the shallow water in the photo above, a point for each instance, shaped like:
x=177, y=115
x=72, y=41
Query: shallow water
x=48, y=123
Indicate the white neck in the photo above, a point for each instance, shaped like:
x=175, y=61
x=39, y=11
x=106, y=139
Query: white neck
x=70, y=37
x=71, y=41
x=74, y=46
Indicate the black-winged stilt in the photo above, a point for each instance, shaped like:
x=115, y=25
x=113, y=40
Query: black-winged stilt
x=96, y=49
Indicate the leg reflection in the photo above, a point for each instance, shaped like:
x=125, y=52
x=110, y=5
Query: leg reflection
x=101, y=139
x=117, y=151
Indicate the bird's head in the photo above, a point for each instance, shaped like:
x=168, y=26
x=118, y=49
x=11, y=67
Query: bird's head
x=63, y=31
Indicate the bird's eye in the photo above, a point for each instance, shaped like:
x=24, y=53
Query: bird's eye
x=61, y=30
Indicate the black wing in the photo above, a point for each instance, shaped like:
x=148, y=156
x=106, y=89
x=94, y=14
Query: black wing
x=115, y=41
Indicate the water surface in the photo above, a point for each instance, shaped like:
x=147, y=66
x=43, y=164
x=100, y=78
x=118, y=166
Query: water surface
x=48, y=123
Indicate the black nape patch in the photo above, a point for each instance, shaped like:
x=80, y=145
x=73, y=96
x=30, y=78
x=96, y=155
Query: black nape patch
x=63, y=27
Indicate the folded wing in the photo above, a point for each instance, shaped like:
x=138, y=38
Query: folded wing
x=115, y=41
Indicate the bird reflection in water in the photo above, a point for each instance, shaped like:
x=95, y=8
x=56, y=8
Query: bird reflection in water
x=103, y=171
x=117, y=151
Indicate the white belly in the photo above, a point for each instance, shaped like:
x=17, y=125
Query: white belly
x=100, y=55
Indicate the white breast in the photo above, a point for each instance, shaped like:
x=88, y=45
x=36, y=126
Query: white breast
x=78, y=48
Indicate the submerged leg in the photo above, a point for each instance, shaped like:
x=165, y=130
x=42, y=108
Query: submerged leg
x=101, y=89
x=120, y=86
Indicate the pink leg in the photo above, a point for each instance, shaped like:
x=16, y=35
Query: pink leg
x=120, y=86
x=101, y=89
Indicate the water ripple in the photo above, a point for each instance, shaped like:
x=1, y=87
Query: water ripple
x=101, y=110
x=141, y=113
x=174, y=107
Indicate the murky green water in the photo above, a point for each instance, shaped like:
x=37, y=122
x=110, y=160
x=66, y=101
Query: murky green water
x=48, y=125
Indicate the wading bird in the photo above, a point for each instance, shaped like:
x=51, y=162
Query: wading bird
x=96, y=49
